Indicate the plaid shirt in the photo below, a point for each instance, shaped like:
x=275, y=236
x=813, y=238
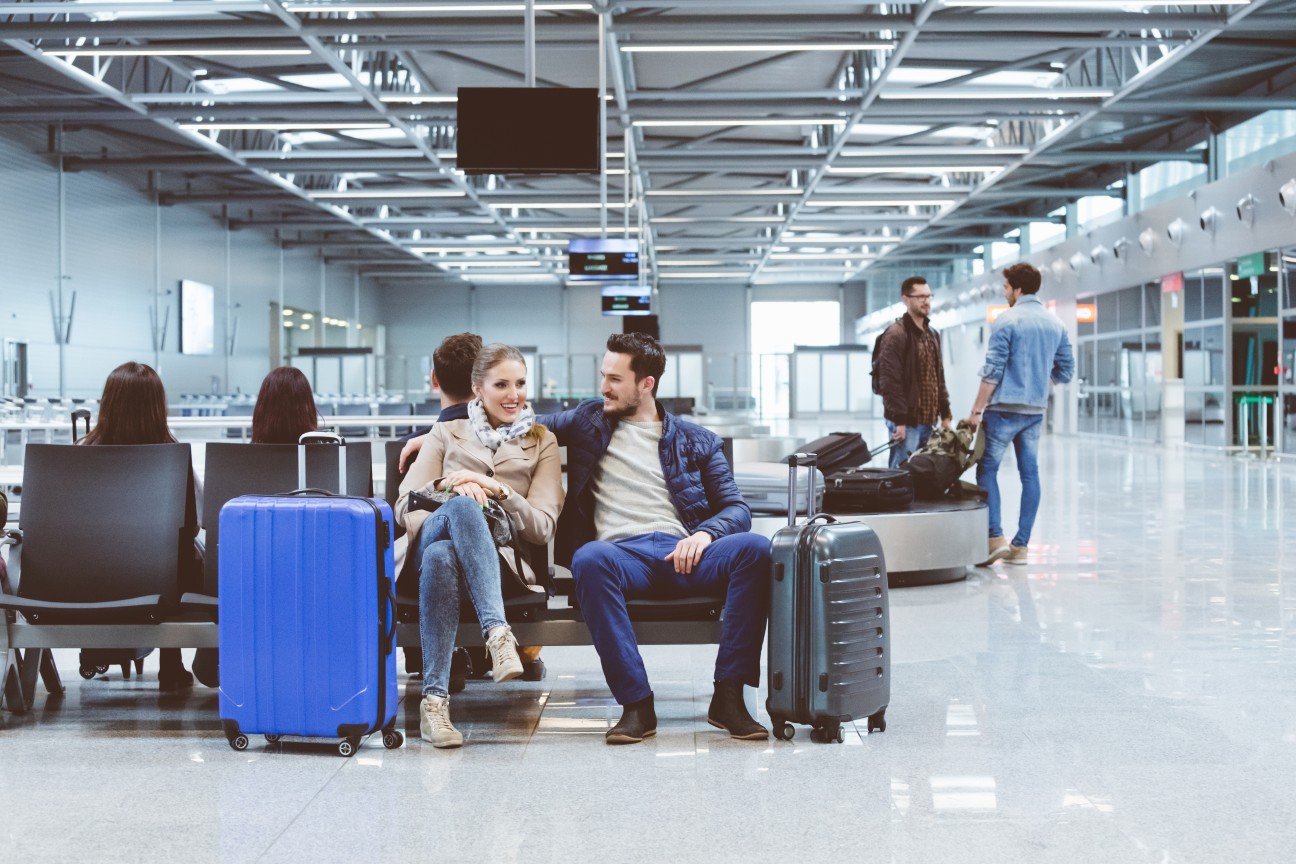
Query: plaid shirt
x=928, y=377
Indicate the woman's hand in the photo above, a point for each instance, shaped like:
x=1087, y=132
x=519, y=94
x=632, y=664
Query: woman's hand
x=471, y=490
x=461, y=481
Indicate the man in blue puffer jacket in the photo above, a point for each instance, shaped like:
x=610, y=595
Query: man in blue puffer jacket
x=653, y=512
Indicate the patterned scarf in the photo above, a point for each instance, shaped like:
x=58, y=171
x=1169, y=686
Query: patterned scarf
x=492, y=437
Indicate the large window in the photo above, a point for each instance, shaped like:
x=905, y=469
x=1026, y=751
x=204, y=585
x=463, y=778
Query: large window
x=1259, y=139
x=777, y=327
x=1119, y=363
x=1164, y=181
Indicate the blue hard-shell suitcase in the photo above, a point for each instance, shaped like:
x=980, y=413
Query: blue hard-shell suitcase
x=307, y=616
x=829, y=657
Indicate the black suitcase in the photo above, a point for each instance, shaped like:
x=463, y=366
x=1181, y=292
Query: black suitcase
x=829, y=650
x=868, y=490
x=837, y=451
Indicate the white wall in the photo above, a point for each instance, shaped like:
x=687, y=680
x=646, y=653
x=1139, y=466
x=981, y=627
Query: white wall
x=122, y=254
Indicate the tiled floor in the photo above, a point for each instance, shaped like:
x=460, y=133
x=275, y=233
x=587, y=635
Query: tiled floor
x=1130, y=696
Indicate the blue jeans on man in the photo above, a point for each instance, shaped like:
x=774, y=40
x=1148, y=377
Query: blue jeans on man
x=915, y=437
x=1022, y=431
x=607, y=574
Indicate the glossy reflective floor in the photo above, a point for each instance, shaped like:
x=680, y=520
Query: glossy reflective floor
x=1130, y=696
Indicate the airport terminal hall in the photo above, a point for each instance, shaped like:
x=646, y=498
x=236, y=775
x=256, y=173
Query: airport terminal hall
x=703, y=431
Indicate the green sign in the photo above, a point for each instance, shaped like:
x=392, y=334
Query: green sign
x=1250, y=265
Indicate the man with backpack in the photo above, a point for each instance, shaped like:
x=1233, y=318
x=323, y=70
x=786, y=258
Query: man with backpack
x=910, y=375
x=1029, y=350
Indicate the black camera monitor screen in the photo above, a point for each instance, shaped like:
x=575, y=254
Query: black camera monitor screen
x=528, y=130
x=605, y=259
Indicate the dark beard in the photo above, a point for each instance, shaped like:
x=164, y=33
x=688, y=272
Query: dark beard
x=619, y=413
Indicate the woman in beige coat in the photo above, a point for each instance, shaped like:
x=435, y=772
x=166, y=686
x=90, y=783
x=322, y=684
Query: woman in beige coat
x=498, y=453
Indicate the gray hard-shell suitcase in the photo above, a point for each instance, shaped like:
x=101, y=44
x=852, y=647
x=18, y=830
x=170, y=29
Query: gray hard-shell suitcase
x=829, y=658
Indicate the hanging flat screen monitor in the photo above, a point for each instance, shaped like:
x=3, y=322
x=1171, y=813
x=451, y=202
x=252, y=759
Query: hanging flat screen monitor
x=528, y=130
x=603, y=259
x=627, y=300
x=197, y=317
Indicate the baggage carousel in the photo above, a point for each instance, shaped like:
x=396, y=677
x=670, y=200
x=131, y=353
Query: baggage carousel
x=930, y=543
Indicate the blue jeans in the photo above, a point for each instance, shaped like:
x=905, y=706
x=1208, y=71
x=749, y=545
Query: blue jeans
x=915, y=437
x=1023, y=432
x=608, y=574
x=455, y=548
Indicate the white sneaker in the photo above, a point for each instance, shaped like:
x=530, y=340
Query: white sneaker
x=434, y=723
x=505, y=662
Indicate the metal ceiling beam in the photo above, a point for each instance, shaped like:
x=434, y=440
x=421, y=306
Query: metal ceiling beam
x=1133, y=85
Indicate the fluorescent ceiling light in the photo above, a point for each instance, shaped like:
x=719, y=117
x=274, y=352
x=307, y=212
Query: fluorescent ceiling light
x=679, y=220
x=961, y=93
x=721, y=47
x=935, y=151
x=704, y=193
x=746, y=121
x=195, y=51
x=510, y=277
x=280, y=125
x=708, y=274
x=580, y=229
x=684, y=262
x=520, y=250
x=389, y=193
x=466, y=264
x=817, y=256
x=883, y=202
x=417, y=98
x=413, y=6
x=554, y=205
x=911, y=169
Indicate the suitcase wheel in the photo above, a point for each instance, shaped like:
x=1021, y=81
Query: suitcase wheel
x=877, y=722
x=88, y=672
x=348, y=746
x=784, y=731
x=101, y=669
x=392, y=739
x=272, y=739
x=828, y=734
x=239, y=742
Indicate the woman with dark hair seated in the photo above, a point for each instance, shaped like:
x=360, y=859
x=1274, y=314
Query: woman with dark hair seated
x=285, y=408
x=133, y=410
x=284, y=411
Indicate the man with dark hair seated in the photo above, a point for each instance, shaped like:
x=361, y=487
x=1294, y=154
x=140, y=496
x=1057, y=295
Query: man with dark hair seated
x=653, y=512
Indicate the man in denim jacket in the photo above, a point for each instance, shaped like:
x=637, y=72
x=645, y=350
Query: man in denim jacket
x=1028, y=350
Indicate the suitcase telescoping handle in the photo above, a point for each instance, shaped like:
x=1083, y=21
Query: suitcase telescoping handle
x=796, y=461
x=321, y=438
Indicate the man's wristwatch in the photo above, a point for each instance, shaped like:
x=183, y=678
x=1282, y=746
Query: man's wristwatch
x=504, y=492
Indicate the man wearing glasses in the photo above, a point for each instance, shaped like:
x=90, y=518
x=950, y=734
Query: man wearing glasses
x=911, y=375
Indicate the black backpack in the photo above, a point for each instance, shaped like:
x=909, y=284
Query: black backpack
x=877, y=345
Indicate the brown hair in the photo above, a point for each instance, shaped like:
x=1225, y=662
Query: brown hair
x=133, y=408
x=491, y=356
x=453, y=363
x=1023, y=277
x=285, y=408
